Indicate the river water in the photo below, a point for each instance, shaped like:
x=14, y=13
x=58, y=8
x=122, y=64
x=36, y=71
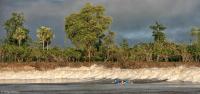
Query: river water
x=102, y=87
x=99, y=80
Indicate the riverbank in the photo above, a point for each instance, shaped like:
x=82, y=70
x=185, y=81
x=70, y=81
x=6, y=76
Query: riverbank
x=44, y=66
x=177, y=72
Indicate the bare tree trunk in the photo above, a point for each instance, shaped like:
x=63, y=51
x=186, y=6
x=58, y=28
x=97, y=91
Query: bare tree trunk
x=42, y=45
x=184, y=58
x=157, y=58
x=19, y=43
x=107, y=56
x=150, y=57
x=196, y=58
x=89, y=55
x=147, y=57
x=47, y=45
x=166, y=58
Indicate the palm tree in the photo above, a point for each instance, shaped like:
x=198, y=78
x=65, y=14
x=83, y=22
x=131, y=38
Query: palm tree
x=45, y=35
x=20, y=34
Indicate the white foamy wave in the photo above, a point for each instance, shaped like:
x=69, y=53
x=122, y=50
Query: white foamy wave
x=95, y=72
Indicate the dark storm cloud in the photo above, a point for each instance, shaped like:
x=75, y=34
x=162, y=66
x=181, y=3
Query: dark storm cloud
x=131, y=18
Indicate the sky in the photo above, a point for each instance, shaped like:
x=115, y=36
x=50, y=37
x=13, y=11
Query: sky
x=131, y=18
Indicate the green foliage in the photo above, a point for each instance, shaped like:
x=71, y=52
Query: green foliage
x=108, y=47
x=36, y=55
x=89, y=31
x=124, y=45
x=15, y=53
x=124, y=51
x=12, y=25
x=86, y=27
x=72, y=54
x=158, y=33
x=195, y=32
x=54, y=55
x=20, y=34
x=45, y=35
x=142, y=52
x=195, y=51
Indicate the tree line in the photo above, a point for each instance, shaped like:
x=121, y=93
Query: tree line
x=89, y=32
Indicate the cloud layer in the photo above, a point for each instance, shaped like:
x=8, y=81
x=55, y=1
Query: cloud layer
x=131, y=18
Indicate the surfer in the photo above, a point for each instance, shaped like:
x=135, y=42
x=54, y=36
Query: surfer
x=116, y=81
x=121, y=82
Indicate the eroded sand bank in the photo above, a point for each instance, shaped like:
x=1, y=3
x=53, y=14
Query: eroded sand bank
x=181, y=73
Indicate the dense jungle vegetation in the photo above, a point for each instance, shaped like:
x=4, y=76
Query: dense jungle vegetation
x=89, y=32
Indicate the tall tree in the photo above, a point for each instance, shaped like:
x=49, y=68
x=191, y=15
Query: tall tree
x=109, y=44
x=85, y=27
x=124, y=44
x=195, y=48
x=45, y=35
x=195, y=32
x=11, y=25
x=125, y=52
x=20, y=34
x=158, y=33
x=184, y=51
x=159, y=40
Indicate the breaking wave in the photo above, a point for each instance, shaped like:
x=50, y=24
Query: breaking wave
x=96, y=72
